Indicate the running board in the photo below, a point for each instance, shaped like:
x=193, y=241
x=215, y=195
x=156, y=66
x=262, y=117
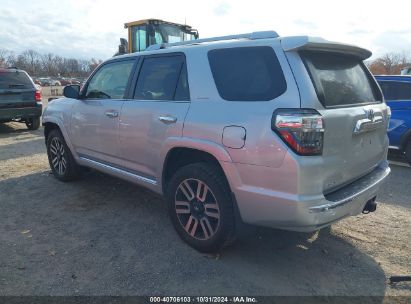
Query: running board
x=121, y=173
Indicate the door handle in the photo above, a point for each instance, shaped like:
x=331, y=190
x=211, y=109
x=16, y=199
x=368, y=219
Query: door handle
x=111, y=114
x=167, y=119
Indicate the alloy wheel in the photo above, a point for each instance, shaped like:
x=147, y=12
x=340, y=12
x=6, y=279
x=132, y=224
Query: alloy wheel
x=197, y=209
x=58, y=156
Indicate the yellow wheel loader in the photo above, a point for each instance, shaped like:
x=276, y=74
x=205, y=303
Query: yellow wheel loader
x=147, y=32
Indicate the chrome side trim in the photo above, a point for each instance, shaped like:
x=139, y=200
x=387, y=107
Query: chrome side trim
x=393, y=147
x=119, y=171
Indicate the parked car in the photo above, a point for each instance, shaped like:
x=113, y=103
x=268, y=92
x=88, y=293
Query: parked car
x=36, y=81
x=397, y=92
x=288, y=132
x=20, y=99
x=46, y=82
x=64, y=81
x=75, y=81
x=406, y=70
x=54, y=82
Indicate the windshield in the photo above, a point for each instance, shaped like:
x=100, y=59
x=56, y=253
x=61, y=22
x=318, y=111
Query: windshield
x=14, y=80
x=340, y=80
x=173, y=33
x=144, y=36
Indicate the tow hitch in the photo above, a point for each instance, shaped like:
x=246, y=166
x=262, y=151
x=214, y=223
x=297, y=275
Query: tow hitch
x=370, y=206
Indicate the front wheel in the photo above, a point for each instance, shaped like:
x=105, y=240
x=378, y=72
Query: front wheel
x=33, y=123
x=201, y=207
x=61, y=161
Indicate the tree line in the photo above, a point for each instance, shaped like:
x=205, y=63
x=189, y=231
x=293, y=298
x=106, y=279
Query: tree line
x=44, y=65
x=389, y=64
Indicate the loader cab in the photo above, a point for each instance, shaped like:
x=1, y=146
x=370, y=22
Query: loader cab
x=143, y=33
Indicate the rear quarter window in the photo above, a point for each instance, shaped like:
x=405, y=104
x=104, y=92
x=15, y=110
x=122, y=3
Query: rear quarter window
x=394, y=90
x=247, y=73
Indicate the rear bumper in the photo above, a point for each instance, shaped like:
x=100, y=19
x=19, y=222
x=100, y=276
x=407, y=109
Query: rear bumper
x=263, y=207
x=20, y=113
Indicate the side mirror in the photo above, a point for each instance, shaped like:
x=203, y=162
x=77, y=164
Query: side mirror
x=72, y=91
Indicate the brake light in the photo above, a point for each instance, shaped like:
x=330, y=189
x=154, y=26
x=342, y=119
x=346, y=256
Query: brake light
x=37, y=95
x=302, y=130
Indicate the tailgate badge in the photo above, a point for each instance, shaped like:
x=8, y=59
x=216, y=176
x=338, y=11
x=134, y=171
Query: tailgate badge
x=373, y=120
x=370, y=114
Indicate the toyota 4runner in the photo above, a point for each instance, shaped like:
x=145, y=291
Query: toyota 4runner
x=285, y=132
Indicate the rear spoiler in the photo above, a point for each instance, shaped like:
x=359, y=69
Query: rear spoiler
x=299, y=43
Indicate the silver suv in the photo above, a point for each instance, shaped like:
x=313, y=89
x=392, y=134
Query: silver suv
x=285, y=132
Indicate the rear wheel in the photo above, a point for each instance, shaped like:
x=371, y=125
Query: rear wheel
x=201, y=207
x=408, y=152
x=61, y=161
x=33, y=123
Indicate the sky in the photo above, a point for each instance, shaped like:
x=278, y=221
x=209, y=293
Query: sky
x=91, y=28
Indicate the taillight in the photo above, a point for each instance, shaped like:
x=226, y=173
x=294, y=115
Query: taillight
x=302, y=130
x=37, y=95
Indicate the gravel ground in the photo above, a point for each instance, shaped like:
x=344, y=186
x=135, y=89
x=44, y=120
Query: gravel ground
x=104, y=236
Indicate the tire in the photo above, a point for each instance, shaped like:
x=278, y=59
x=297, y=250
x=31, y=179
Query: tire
x=61, y=161
x=408, y=152
x=33, y=123
x=205, y=220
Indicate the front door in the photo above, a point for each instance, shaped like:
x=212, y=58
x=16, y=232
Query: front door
x=95, y=117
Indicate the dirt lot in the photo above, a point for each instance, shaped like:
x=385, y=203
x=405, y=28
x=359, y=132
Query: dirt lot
x=103, y=236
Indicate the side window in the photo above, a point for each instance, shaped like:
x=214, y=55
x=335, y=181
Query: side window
x=162, y=78
x=182, y=91
x=396, y=90
x=247, y=73
x=110, y=81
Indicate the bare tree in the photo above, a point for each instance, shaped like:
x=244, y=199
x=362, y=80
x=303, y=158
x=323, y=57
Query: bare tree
x=389, y=63
x=41, y=65
x=3, y=57
x=32, y=61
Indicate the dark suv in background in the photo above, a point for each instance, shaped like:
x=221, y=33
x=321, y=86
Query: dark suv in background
x=20, y=100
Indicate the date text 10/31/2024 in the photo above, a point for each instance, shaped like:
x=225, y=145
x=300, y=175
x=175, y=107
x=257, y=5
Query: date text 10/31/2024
x=237, y=299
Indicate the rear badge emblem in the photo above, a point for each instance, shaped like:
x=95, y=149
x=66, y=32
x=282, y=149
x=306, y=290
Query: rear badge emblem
x=369, y=114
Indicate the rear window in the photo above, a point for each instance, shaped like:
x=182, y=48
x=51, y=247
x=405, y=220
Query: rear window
x=393, y=90
x=14, y=80
x=340, y=80
x=247, y=73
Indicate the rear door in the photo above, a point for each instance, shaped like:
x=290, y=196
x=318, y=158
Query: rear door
x=16, y=89
x=343, y=91
x=95, y=117
x=156, y=112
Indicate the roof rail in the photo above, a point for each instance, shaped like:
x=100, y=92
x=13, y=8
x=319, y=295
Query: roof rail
x=250, y=36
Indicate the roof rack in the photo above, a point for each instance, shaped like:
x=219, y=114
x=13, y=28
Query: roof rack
x=250, y=36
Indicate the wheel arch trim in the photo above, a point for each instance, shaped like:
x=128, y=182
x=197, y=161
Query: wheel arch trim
x=63, y=130
x=206, y=146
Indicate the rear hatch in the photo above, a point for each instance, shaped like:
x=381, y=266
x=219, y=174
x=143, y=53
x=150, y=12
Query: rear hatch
x=341, y=89
x=16, y=89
